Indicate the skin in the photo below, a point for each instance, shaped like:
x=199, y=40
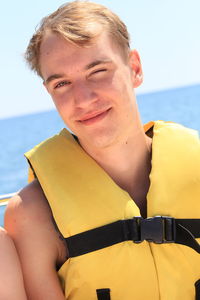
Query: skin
x=93, y=90
x=28, y=220
x=107, y=88
x=11, y=282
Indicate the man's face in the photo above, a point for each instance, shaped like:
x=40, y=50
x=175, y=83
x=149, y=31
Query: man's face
x=92, y=87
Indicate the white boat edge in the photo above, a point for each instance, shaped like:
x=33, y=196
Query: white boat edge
x=5, y=197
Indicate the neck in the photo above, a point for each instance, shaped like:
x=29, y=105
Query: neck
x=128, y=163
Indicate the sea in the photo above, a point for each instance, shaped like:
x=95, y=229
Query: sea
x=20, y=134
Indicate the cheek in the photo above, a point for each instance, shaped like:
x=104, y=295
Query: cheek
x=63, y=106
x=123, y=92
x=122, y=82
x=60, y=100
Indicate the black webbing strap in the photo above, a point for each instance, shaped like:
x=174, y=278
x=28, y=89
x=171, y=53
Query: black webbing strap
x=157, y=229
x=197, y=290
x=103, y=294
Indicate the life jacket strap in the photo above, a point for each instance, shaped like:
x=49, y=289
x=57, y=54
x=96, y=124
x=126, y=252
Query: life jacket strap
x=103, y=294
x=158, y=229
x=197, y=289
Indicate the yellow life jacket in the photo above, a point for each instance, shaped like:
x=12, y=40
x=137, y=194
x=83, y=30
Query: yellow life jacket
x=82, y=197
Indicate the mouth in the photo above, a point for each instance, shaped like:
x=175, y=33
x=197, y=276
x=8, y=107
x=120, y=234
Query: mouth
x=94, y=117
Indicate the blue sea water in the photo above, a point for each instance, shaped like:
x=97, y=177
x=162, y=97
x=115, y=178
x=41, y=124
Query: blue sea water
x=19, y=134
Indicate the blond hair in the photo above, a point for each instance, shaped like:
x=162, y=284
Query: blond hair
x=75, y=22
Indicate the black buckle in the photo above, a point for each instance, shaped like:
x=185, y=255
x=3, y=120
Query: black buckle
x=158, y=229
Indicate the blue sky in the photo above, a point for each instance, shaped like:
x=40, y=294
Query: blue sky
x=166, y=34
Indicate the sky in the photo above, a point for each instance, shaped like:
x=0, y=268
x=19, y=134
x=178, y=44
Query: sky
x=165, y=32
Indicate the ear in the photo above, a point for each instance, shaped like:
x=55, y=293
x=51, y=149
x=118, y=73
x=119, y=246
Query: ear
x=136, y=67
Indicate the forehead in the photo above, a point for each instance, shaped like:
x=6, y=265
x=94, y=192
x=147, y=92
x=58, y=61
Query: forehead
x=57, y=52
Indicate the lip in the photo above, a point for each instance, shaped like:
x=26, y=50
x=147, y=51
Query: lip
x=94, y=117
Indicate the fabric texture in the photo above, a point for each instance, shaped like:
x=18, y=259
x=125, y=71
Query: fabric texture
x=82, y=197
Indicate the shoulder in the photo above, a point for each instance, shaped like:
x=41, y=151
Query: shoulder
x=175, y=136
x=29, y=221
x=29, y=205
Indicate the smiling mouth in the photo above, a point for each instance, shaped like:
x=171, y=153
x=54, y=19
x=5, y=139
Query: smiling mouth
x=93, y=118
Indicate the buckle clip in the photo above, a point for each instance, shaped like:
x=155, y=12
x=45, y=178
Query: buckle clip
x=158, y=229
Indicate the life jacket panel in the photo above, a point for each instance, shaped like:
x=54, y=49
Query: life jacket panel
x=82, y=196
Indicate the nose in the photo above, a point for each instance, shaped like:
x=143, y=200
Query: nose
x=83, y=94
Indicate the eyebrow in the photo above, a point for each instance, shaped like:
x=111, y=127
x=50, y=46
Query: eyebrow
x=97, y=62
x=52, y=77
x=87, y=67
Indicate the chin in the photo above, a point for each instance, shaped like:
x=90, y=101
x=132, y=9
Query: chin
x=101, y=141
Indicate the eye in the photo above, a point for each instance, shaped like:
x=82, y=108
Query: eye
x=99, y=71
x=61, y=84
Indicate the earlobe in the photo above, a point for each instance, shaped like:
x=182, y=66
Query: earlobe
x=136, y=67
x=138, y=80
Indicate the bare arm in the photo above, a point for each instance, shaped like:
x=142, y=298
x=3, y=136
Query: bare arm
x=28, y=220
x=11, y=280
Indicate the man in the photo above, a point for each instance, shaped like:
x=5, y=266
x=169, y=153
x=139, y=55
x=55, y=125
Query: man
x=81, y=215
